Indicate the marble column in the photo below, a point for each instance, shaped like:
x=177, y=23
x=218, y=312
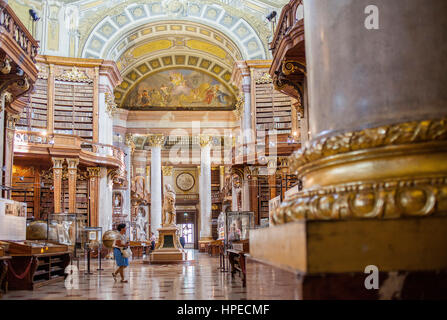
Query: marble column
x=205, y=182
x=57, y=183
x=375, y=173
x=72, y=175
x=156, y=142
x=247, y=116
x=395, y=74
x=94, y=175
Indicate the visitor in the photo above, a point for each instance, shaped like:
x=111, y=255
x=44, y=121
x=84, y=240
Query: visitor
x=182, y=241
x=119, y=245
x=153, y=241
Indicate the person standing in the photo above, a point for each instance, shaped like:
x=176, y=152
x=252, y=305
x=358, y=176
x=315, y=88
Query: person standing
x=120, y=244
x=153, y=241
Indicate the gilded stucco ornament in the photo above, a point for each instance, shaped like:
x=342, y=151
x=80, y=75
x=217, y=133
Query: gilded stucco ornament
x=389, y=135
x=74, y=75
x=380, y=200
x=239, y=107
x=111, y=105
x=265, y=78
x=400, y=179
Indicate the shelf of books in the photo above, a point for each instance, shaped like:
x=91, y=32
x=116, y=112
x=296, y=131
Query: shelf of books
x=34, y=115
x=73, y=109
x=273, y=110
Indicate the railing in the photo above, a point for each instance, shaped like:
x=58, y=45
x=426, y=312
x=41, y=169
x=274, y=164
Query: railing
x=12, y=24
x=104, y=150
x=98, y=149
x=290, y=15
x=29, y=137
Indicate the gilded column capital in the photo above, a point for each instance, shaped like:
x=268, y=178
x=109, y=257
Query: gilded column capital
x=93, y=172
x=72, y=163
x=167, y=171
x=57, y=163
x=205, y=140
x=155, y=140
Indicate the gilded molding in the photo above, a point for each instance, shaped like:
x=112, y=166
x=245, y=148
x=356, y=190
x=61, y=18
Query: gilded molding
x=167, y=171
x=379, y=200
x=155, y=140
x=389, y=135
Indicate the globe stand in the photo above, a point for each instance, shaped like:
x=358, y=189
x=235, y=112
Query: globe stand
x=99, y=258
x=88, y=262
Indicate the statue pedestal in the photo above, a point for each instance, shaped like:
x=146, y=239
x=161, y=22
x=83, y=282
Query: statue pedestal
x=169, y=249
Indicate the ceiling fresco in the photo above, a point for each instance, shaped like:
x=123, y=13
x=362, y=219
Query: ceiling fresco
x=180, y=89
x=170, y=45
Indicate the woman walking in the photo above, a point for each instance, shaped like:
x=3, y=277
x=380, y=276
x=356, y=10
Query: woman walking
x=119, y=245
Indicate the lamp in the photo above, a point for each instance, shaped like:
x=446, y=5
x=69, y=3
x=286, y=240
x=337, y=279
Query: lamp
x=34, y=15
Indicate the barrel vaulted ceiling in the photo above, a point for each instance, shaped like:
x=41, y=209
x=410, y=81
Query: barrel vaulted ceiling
x=101, y=29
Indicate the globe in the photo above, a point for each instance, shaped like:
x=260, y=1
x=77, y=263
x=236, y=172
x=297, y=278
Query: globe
x=109, y=237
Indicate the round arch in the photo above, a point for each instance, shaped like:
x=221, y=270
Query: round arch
x=111, y=27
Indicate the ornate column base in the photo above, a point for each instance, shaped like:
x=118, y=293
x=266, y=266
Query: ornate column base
x=374, y=197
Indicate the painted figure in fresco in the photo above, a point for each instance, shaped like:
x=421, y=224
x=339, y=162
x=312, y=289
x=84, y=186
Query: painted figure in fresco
x=168, y=212
x=145, y=99
x=222, y=97
x=209, y=96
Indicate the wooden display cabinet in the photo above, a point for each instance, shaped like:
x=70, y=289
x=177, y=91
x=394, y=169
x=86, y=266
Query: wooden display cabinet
x=31, y=271
x=2, y=252
x=30, y=247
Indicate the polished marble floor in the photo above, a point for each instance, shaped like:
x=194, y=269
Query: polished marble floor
x=199, y=279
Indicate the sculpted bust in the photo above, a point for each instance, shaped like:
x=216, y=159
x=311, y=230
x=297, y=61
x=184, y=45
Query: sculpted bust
x=168, y=212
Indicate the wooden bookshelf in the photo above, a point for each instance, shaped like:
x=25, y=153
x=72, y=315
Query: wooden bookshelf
x=264, y=197
x=273, y=110
x=46, y=197
x=73, y=109
x=35, y=115
x=23, y=191
x=82, y=199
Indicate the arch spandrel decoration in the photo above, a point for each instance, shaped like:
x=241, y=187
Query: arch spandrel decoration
x=179, y=89
x=250, y=38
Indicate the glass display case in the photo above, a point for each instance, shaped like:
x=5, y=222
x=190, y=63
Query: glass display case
x=91, y=237
x=63, y=228
x=238, y=225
